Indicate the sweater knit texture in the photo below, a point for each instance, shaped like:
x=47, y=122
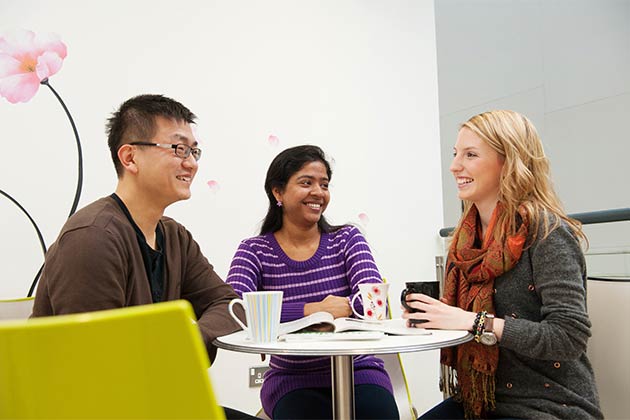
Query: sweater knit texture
x=543, y=370
x=342, y=261
x=96, y=264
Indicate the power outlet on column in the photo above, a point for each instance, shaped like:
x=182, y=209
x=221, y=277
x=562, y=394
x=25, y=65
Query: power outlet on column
x=256, y=374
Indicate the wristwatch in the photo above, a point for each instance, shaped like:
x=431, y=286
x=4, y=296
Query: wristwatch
x=488, y=337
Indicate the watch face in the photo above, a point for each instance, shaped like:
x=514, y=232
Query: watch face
x=488, y=339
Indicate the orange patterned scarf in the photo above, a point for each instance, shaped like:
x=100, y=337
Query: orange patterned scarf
x=471, y=267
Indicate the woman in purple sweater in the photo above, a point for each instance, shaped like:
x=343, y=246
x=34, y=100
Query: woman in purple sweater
x=318, y=267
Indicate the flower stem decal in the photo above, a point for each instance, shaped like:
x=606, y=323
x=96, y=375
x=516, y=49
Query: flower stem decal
x=77, y=194
x=26, y=61
x=39, y=233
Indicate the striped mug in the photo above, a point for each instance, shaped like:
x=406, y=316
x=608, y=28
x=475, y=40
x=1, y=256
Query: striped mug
x=262, y=313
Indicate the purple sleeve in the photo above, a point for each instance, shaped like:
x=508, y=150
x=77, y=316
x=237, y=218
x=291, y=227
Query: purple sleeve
x=245, y=271
x=245, y=275
x=292, y=311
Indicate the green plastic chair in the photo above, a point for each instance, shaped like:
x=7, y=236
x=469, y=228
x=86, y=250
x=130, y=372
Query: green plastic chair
x=142, y=362
x=16, y=308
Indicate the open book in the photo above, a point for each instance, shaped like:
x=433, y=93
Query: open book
x=324, y=321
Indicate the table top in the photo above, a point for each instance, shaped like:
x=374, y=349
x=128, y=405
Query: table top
x=238, y=341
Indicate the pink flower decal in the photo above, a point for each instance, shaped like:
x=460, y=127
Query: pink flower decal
x=369, y=313
x=379, y=302
x=376, y=290
x=26, y=60
x=214, y=186
x=273, y=140
x=364, y=219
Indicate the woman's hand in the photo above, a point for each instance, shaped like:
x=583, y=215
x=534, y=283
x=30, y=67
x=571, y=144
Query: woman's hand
x=438, y=314
x=337, y=306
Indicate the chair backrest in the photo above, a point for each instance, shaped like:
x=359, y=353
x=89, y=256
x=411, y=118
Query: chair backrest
x=137, y=362
x=609, y=358
x=16, y=308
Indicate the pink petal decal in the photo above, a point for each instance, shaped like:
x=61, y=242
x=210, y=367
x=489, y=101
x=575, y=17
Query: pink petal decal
x=48, y=64
x=25, y=60
x=18, y=42
x=9, y=65
x=273, y=140
x=364, y=218
x=214, y=186
x=51, y=42
x=19, y=87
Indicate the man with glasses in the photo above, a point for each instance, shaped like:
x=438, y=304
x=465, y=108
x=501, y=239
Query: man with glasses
x=120, y=250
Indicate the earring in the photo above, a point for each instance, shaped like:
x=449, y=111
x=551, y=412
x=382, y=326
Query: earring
x=279, y=203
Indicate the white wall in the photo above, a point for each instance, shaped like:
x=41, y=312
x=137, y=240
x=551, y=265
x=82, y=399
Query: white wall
x=356, y=77
x=563, y=63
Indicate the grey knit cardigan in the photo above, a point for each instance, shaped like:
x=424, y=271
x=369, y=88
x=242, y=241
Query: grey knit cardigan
x=543, y=370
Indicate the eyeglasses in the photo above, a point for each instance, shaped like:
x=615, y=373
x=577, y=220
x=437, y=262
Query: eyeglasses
x=181, y=150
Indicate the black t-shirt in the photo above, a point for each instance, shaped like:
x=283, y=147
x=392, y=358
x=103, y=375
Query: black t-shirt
x=153, y=259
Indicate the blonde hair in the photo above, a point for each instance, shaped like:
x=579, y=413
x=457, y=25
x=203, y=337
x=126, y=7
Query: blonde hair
x=525, y=177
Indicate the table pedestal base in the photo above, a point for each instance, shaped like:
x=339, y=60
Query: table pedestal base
x=342, y=387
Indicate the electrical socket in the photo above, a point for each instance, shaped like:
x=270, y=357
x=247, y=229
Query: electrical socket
x=256, y=374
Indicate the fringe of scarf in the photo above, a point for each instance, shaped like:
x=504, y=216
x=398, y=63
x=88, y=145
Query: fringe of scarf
x=477, y=402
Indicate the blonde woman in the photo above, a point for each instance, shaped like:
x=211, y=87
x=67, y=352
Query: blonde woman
x=515, y=278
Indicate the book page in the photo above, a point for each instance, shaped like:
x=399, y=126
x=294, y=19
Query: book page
x=307, y=321
x=354, y=324
x=389, y=326
x=396, y=326
x=332, y=336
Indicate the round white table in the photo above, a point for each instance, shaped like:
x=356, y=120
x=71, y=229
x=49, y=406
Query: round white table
x=341, y=352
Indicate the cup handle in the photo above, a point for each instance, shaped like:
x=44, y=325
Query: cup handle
x=403, y=300
x=352, y=306
x=231, y=311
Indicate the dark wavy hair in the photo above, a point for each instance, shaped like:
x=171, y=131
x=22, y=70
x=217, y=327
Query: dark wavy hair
x=135, y=121
x=281, y=169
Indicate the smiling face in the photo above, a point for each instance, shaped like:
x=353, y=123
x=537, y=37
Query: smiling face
x=477, y=170
x=164, y=177
x=306, y=195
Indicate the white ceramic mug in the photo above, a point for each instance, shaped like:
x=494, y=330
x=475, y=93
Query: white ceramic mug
x=262, y=312
x=374, y=299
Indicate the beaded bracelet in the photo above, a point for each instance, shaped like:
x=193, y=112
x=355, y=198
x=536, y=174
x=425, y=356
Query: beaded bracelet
x=480, y=325
x=476, y=323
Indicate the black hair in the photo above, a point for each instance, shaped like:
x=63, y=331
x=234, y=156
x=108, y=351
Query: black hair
x=135, y=121
x=283, y=166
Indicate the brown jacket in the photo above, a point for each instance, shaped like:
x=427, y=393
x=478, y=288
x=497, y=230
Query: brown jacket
x=96, y=264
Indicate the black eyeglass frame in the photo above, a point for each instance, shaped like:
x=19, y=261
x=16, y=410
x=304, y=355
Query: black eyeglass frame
x=182, y=150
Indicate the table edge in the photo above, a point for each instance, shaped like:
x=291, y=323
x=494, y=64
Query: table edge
x=341, y=352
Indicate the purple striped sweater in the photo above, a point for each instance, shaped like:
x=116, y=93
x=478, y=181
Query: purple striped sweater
x=342, y=261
